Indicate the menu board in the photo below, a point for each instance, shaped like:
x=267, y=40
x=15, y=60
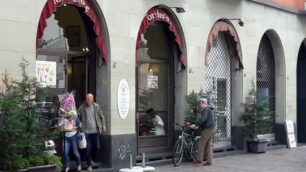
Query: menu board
x=290, y=134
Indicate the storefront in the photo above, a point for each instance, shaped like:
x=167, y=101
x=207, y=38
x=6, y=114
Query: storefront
x=161, y=63
x=150, y=55
x=72, y=55
x=223, y=78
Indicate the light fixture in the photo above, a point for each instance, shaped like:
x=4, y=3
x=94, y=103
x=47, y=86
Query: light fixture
x=179, y=9
x=240, y=22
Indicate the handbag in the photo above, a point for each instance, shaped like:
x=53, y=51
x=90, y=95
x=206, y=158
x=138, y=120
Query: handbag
x=82, y=143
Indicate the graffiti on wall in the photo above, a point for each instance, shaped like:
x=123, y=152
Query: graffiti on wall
x=124, y=151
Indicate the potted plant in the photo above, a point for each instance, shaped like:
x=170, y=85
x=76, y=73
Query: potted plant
x=22, y=127
x=193, y=102
x=256, y=114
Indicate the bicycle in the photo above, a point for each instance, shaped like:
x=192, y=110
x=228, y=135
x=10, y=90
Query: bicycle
x=185, y=145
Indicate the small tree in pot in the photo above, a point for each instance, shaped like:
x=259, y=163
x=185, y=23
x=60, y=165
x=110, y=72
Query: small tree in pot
x=256, y=114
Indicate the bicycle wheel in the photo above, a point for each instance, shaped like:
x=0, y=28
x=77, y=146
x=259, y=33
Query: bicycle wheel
x=194, y=149
x=178, y=152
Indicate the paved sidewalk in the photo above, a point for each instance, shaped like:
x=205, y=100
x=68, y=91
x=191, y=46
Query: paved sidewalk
x=279, y=160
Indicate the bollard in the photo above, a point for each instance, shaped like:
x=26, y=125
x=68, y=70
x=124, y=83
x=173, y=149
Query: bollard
x=131, y=168
x=143, y=162
x=143, y=165
x=131, y=160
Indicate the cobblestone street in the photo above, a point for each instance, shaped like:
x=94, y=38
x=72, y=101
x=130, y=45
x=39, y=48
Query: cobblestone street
x=279, y=160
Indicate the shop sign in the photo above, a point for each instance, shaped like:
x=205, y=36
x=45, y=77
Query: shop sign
x=123, y=98
x=81, y=3
x=46, y=73
x=159, y=15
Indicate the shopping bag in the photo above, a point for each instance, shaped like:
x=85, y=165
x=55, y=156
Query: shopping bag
x=81, y=140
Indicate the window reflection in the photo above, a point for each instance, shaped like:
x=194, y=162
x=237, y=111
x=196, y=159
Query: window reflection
x=152, y=98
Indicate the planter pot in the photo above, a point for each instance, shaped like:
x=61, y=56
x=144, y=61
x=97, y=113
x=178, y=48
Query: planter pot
x=43, y=168
x=257, y=146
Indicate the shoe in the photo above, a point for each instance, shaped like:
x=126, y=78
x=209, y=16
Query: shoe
x=207, y=164
x=79, y=168
x=198, y=163
x=89, y=169
x=67, y=169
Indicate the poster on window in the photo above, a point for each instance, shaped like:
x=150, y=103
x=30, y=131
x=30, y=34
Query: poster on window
x=46, y=73
x=152, y=81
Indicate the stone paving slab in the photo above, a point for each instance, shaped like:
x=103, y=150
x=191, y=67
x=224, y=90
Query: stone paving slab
x=279, y=160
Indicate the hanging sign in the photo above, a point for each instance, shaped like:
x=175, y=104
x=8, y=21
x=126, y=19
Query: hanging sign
x=123, y=98
x=290, y=134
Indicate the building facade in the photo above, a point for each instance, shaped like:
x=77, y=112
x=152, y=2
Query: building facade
x=135, y=55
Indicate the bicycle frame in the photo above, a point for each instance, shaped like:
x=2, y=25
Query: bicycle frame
x=186, y=145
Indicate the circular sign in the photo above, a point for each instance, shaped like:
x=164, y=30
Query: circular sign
x=123, y=98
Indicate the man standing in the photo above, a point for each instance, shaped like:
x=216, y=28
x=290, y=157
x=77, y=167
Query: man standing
x=93, y=125
x=206, y=124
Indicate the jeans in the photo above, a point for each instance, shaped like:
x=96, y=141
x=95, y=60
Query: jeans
x=70, y=143
x=93, y=145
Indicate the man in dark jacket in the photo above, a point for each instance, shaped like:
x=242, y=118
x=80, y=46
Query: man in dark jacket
x=93, y=124
x=206, y=125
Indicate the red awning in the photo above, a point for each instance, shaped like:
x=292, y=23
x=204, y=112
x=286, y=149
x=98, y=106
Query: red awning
x=157, y=14
x=222, y=26
x=51, y=7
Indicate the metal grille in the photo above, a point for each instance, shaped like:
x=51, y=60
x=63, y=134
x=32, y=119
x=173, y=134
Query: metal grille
x=266, y=83
x=218, y=86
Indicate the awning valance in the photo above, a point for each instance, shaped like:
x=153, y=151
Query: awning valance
x=157, y=14
x=222, y=26
x=51, y=7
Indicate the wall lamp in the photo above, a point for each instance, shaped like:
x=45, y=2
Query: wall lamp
x=179, y=9
x=240, y=22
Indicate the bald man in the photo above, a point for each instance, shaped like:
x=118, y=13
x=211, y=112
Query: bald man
x=93, y=125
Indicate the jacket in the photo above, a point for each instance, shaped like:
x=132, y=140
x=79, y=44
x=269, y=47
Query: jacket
x=206, y=119
x=99, y=117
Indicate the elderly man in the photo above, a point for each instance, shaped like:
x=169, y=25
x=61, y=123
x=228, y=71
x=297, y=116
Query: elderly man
x=93, y=124
x=206, y=124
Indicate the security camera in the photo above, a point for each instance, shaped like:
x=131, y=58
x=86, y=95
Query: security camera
x=240, y=22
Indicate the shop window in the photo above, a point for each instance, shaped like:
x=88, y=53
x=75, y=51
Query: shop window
x=152, y=92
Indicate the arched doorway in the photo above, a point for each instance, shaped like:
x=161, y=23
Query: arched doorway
x=265, y=81
x=223, y=63
x=301, y=94
x=71, y=55
x=270, y=76
x=160, y=68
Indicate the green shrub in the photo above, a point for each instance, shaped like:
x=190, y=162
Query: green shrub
x=21, y=131
x=37, y=160
x=53, y=159
x=257, y=116
x=17, y=162
x=193, y=103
